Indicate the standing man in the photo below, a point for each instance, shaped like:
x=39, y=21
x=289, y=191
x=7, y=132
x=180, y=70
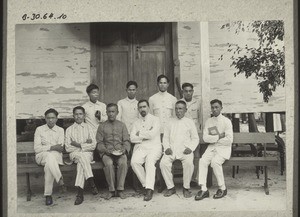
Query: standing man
x=48, y=147
x=218, y=132
x=147, y=150
x=80, y=142
x=180, y=140
x=95, y=111
x=113, y=146
x=193, y=112
x=128, y=109
x=162, y=105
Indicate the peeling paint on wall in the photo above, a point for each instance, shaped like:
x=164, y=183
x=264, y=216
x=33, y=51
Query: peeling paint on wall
x=46, y=70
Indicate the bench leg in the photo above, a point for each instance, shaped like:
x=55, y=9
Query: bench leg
x=233, y=171
x=28, y=187
x=266, y=181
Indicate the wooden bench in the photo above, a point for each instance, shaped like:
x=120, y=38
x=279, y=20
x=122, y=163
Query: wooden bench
x=263, y=161
x=30, y=167
x=255, y=161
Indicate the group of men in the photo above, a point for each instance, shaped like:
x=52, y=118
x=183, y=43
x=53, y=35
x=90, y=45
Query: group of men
x=161, y=129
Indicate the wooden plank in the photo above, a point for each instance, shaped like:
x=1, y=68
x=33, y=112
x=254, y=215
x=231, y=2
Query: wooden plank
x=34, y=168
x=247, y=137
x=251, y=161
x=25, y=148
x=253, y=137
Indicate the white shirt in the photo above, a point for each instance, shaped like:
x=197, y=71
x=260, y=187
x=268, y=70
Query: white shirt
x=80, y=133
x=44, y=138
x=162, y=105
x=221, y=146
x=128, y=112
x=90, y=110
x=193, y=112
x=180, y=134
x=149, y=132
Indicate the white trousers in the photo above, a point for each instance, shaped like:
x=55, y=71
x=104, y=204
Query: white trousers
x=216, y=161
x=187, y=165
x=149, y=157
x=52, y=172
x=84, y=169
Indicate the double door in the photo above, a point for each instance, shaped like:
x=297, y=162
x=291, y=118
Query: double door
x=130, y=51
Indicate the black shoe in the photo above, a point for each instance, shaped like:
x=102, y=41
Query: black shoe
x=194, y=183
x=161, y=188
x=95, y=190
x=121, y=194
x=141, y=191
x=220, y=193
x=148, y=195
x=187, y=193
x=49, y=200
x=109, y=195
x=170, y=192
x=79, y=200
x=201, y=195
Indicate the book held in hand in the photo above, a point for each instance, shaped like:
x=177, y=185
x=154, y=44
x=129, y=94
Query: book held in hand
x=213, y=131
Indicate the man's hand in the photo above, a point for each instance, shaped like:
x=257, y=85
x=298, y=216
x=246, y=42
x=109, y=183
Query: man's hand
x=58, y=148
x=98, y=115
x=168, y=151
x=187, y=151
x=221, y=135
x=89, y=141
x=75, y=144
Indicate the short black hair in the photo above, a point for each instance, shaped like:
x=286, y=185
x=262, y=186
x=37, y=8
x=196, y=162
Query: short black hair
x=91, y=87
x=79, y=108
x=129, y=83
x=184, y=85
x=143, y=100
x=181, y=102
x=51, y=110
x=112, y=105
x=216, y=101
x=162, y=76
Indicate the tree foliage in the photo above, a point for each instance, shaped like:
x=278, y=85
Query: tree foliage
x=267, y=61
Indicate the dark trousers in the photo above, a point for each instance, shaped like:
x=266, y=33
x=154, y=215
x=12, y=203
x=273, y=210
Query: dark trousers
x=109, y=171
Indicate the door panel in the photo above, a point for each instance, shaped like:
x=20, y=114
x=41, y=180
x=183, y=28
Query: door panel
x=131, y=51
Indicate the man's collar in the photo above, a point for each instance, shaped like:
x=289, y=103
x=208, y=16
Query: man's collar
x=192, y=101
x=162, y=93
x=130, y=100
x=218, y=117
x=53, y=128
x=77, y=125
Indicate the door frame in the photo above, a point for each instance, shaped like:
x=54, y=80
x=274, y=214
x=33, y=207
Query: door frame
x=175, y=64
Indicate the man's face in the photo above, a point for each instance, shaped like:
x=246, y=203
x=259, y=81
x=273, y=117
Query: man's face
x=51, y=120
x=143, y=109
x=94, y=94
x=78, y=116
x=216, y=109
x=112, y=113
x=131, y=91
x=163, y=85
x=188, y=93
x=180, y=110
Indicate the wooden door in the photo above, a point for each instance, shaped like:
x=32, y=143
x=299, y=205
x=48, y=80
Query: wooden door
x=130, y=51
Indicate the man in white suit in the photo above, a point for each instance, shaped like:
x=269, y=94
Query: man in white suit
x=145, y=134
x=219, y=133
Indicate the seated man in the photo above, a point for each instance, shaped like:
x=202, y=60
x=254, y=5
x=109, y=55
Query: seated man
x=80, y=142
x=180, y=140
x=145, y=134
x=48, y=147
x=113, y=146
x=218, y=132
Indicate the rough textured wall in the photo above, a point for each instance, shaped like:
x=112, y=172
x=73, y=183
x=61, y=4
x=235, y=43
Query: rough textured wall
x=52, y=68
x=189, y=54
x=237, y=93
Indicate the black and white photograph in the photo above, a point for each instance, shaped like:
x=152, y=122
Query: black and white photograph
x=172, y=108
x=213, y=94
